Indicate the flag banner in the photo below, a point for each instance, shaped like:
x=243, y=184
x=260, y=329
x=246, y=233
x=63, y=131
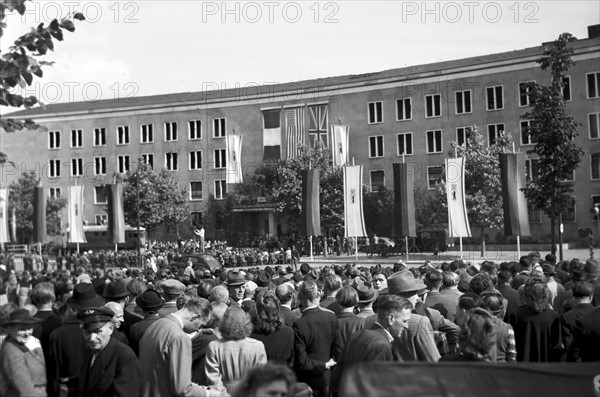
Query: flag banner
x=514, y=203
x=13, y=227
x=4, y=216
x=234, y=159
x=404, y=201
x=458, y=221
x=339, y=144
x=272, y=134
x=354, y=220
x=294, y=131
x=76, y=233
x=317, y=125
x=39, y=215
x=116, y=214
x=311, y=212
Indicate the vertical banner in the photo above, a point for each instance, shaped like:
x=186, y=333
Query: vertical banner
x=4, y=216
x=75, y=213
x=311, y=213
x=39, y=215
x=116, y=214
x=317, y=125
x=458, y=221
x=404, y=202
x=514, y=204
x=354, y=221
x=234, y=159
x=339, y=144
x=13, y=227
x=272, y=134
x=294, y=131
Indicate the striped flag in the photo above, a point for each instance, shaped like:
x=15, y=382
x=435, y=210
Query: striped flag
x=311, y=214
x=339, y=144
x=354, y=221
x=458, y=221
x=404, y=202
x=75, y=213
x=272, y=134
x=514, y=204
x=294, y=130
x=4, y=216
x=234, y=159
x=39, y=215
x=317, y=125
x=116, y=214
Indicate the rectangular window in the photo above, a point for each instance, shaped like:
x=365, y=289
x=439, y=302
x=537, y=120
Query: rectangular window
x=54, y=192
x=195, y=191
x=148, y=159
x=494, y=131
x=220, y=189
x=171, y=161
x=433, y=105
x=100, y=196
x=434, y=141
x=404, y=143
x=462, y=136
x=54, y=168
x=524, y=89
x=463, y=101
x=99, y=136
x=170, y=131
x=595, y=166
x=147, y=133
x=77, y=167
x=375, y=112
x=567, y=88
x=195, y=129
x=124, y=163
x=220, y=158
x=219, y=127
x=569, y=212
x=123, y=135
x=495, y=98
x=53, y=139
x=196, y=160
x=76, y=138
x=403, y=109
x=377, y=181
x=593, y=85
x=100, y=165
x=101, y=219
x=376, y=146
x=526, y=138
x=435, y=175
x=531, y=170
x=593, y=123
x=535, y=214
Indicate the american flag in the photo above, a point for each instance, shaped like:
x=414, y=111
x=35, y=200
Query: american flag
x=317, y=127
x=294, y=130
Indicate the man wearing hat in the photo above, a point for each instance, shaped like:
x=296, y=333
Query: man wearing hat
x=116, y=291
x=171, y=290
x=366, y=296
x=236, y=286
x=110, y=368
x=150, y=301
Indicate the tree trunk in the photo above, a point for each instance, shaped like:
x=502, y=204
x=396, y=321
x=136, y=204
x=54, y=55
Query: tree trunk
x=482, y=242
x=552, y=225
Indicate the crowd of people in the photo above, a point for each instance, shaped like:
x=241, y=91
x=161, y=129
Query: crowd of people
x=278, y=331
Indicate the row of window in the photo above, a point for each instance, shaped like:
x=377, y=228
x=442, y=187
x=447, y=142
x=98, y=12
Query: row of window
x=123, y=135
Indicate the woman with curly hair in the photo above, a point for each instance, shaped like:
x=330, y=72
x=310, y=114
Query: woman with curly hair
x=477, y=337
x=267, y=380
x=271, y=330
x=227, y=359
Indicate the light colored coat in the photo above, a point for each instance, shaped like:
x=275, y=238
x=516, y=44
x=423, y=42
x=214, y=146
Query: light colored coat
x=22, y=371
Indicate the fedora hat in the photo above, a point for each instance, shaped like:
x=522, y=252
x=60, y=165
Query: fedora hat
x=150, y=300
x=116, y=289
x=591, y=268
x=366, y=293
x=235, y=278
x=84, y=296
x=548, y=270
x=404, y=281
x=263, y=279
x=21, y=317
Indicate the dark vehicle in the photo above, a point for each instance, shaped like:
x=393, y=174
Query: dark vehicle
x=385, y=246
x=433, y=239
x=200, y=261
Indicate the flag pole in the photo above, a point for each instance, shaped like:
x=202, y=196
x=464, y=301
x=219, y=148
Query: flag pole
x=405, y=237
x=460, y=238
x=310, y=237
x=518, y=235
x=355, y=237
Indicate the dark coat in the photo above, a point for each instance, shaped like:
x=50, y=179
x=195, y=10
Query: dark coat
x=586, y=338
x=137, y=331
x=289, y=316
x=279, y=344
x=512, y=296
x=537, y=335
x=115, y=372
x=128, y=320
x=42, y=331
x=568, y=321
x=66, y=347
x=444, y=301
x=348, y=325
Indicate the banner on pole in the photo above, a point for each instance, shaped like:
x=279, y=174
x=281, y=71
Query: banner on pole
x=404, y=202
x=116, y=214
x=339, y=144
x=75, y=215
x=4, y=216
x=271, y=134
x=311, y=213
x=514, y=203
x=39, y=215
x=354, y=221
x=234, y=159
x=458, y=221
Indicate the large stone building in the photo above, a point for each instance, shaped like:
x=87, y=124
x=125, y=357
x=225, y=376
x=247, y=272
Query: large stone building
x=413, y=112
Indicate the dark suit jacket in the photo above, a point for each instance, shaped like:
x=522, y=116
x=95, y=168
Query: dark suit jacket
x=586, y=338
x=444, y=301
x=288, y=315
x=115, y=372
x=66, y=346
x=279, y=344
x=348, y=325
x=128, y=320
x=568, y=321
x=137, y=331
x=512, y=296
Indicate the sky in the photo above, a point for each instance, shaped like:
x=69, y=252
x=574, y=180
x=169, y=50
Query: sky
x=139, y=48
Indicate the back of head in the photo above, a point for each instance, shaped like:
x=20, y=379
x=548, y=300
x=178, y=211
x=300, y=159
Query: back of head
x=449, y=279
x=347, y=297
x=235, y=324
x=469, y=300
x=526, y=262
x=332, y=283
x=537, y=295
x=480, y=283
x=284, y=293
x=267, y=316
x=205, y=287
x=308, y=291
x=493, y=301
x=583, y=289
x=42, y=294
x=477, y=336
x=433, y=278
x=262, y=375
x=219, y=294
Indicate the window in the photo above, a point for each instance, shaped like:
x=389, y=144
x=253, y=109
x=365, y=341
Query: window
x=54, y=168
x=404, y=143
x=147, y=133
x=567, y=88
x=148, y=158
x=195, y=129
x=170, y=131
x=99, y=136
x=100, y=196
x=377, y=181
x=124, y=163
x=462, y=136
x=53, y=139
x=219, y=128
x=376, y=146
x=494, y=131
x=123, y=135
x=100, y=165
x=433, y=105
x=196, y=160
x=76, y=138
x=595, y=166
x=463, y=101
x=195, y=190
x=220, y=158
x=495, y=100
x=171, y=161
x=569, y=214
x=524, y=90
x=54, y=192
x=531, y=170
x=593, y=123
x=101, y=219
x=77, y=167
x=535, y=215
x=434, y=141
x=375, y=112
x=220, y=189
x=593, y=85
x=526, y=138
x=403, y=109
x=435, y=175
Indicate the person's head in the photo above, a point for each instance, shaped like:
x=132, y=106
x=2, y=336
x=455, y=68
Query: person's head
x=97, y=325
x=347, y=297
x=236, y=285
x=480, y=283
x=551, y=258
x=583, y=291
x=433, y=280
x=19, y=325
x=235, y=324
x=504, y=277
x=536, y=294
x=393, y=313
x=42, y=295
x=195, y=313
x=266, y=317
x=449, y=279
x=493, y=301
x=205, y=287
x=379, y=281
x=308, y=293
x=172, y=289
x=219, y=295
x=285, y=293
x=118, y=318
x=526, y=263
x=332, y=284
x=489, y=267
x=466, y=302
x=477, y=336
x=266, y=380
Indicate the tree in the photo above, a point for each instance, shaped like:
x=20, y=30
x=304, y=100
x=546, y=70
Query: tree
x=378, y=209
x=554, y=130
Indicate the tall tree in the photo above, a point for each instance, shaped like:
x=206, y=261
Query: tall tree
x=554, y=130
x=378, y=211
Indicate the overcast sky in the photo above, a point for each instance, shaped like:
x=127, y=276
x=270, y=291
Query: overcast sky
x=149, y=47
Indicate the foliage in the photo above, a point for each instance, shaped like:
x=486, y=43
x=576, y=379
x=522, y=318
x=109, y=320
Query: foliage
x=378, y=209
x=429, y=207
